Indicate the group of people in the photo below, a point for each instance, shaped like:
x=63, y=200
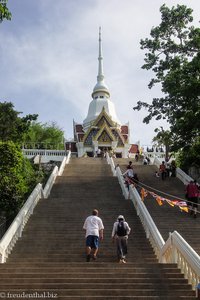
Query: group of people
x=146, y=160
x=94, y=228
x=192, y=195
x=166, y=170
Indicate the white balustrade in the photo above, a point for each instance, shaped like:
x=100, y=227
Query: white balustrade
x=44, y=154
x=64, y=162
x=183, y=176
x=152, y=232
x=50, y=182
x=121, y=182
x=15, y=230
x=175, y=249
x=184, y=255
x=111, y=163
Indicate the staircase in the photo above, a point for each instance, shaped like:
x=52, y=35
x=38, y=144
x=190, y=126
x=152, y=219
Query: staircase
x=167, y=218
x=49, y=259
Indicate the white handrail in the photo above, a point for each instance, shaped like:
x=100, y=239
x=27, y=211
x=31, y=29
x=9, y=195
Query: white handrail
x=64, y=162
x=15, y=230
x=175, y=249
x=54, y=174
x=183, y=176
x=152, y=232
x=111, y=163
x=121, y=182
x=50, y=182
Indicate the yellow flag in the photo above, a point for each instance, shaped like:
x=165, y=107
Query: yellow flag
x=158, y=199
x=184, y=208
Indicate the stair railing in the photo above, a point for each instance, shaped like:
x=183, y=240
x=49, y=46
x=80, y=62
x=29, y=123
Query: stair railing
x=50, y=182
x=111, y=163
x=65, y=161
x=121, y=182
x=183, y=176
x=15, y=230
x=56, y=172
x=175, y=249
x=152, y=232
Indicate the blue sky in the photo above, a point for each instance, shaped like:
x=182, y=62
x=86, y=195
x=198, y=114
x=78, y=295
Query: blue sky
x=49, y=51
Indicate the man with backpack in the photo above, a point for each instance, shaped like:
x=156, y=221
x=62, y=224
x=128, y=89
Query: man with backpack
x=120, y=234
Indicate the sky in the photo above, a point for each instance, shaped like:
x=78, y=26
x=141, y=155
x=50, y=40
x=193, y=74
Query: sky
x=49, y=58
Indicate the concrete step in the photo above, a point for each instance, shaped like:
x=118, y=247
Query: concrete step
x=50, y=255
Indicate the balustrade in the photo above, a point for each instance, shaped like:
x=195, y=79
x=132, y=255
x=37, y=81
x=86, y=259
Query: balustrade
x=175, y=249
x=15, y=230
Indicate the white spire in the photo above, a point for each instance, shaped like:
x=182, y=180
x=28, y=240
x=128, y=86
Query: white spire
x=100, y=76
x=100, y=86
x=100, y=95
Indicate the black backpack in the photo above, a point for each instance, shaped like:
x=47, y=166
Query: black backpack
x=121, y=230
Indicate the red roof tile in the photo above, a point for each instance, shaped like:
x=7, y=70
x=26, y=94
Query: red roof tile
x=79, y=128
x=133, y=149
x=124, y=129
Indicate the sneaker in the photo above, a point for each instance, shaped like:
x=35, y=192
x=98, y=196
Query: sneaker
x=123, y=261
x=94, y=257
x=88, y=258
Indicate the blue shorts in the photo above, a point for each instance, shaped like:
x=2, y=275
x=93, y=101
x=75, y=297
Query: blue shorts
x=92, y=241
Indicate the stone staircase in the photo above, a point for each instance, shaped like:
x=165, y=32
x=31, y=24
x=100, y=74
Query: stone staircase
x=49, y=260
x=167, y=218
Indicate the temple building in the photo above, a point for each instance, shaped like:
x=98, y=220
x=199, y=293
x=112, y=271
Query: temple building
x=101, y=129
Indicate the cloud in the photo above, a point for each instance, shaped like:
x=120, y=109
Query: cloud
x=48, y=58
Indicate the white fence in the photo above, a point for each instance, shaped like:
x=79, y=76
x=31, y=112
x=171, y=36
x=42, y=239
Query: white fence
x=175, y=249
x=15, y=230
x=44, y=156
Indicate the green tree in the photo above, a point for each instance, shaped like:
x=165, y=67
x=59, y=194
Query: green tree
x=164, y=137
x=16, y=178
x=47, y=135
x=12, y=127
x=4, y=11
x=189, y=157
x=173, y=54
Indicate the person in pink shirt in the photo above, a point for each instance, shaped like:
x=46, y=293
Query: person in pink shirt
x=192, y=191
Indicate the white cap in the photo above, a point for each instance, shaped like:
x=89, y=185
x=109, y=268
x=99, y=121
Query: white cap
x=120, y=217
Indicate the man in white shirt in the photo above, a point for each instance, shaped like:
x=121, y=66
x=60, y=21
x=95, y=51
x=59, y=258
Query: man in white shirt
x=94, y=232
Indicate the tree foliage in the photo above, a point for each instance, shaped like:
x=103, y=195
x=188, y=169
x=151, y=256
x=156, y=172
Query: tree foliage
x=190, y=157
x=164, y=137
x=12, y=127
x=173, y=54
x=4, y=11
x=48, y=136
x=16, y=176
